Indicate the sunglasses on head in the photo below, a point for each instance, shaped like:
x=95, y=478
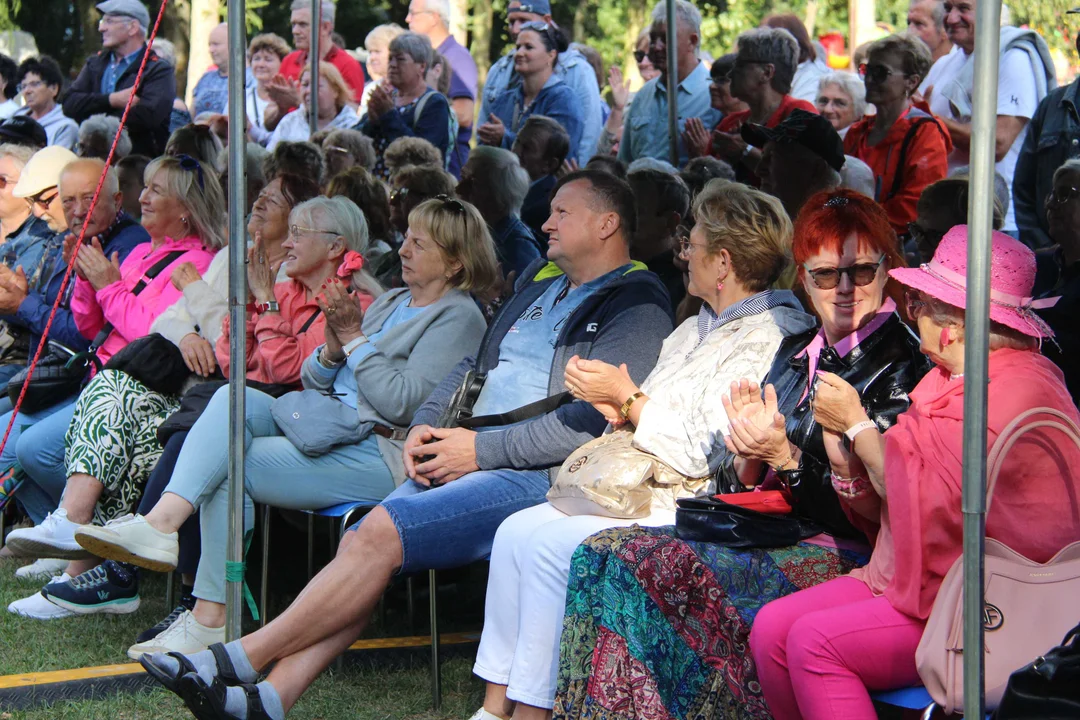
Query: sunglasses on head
x=861, y=274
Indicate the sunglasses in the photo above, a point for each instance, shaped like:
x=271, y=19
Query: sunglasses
x=914, y=305
x=877, y=73
x=640, y=55
x=43, y=201
x=536, y=25
x=861, y=274
x=192, y=165
x=1063, y=195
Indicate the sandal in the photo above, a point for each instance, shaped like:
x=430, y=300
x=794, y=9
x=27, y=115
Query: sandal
x=170, y=682
x=207, y=702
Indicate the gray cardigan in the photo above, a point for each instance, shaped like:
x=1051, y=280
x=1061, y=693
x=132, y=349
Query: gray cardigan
x=409, y=360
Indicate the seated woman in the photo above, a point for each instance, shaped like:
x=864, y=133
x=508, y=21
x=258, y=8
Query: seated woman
x=702, y=599
x=335, y=107
x=409, y=187
x=98, y=450
x=196, y=141
x=264, y=54
x=841, y=99
x=736, y=251
x=408, y=107
x=494, y=181
x=370, y=195
x=811, y=647
x=383, y=363
x=540, y=92
x=907, y=148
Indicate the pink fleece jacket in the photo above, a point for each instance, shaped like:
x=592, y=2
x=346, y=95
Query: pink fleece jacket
x=132, y=315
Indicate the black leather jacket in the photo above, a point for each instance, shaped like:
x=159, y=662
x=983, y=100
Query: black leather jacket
x=884, y=368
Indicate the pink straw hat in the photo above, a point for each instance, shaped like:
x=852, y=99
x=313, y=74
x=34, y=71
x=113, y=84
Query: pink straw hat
x=1012, y=276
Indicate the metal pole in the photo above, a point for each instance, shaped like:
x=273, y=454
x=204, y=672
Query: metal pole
x=237, y=308
x=976, y=343
x=672, y=81
x=313, y=58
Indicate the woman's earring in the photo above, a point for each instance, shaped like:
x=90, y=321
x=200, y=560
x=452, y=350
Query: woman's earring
x=719, y=284
x=183, y=219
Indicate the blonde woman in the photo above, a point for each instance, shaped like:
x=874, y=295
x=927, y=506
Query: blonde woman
x=377, y=43
x=335, y=107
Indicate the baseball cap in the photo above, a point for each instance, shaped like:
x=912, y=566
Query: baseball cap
x=43, y=171
x=539, y=7
x=23, y=130
x=130, y=8
x=810, y=130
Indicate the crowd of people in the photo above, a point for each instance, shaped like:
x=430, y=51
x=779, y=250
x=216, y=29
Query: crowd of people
x=462, y=294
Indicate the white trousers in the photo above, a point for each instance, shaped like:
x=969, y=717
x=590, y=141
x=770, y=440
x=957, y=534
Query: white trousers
x=526, y=597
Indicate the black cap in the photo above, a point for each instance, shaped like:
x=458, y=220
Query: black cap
x=23, y=130
x=810, y=130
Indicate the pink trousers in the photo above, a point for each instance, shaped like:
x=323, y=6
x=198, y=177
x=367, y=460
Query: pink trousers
x=821, y=651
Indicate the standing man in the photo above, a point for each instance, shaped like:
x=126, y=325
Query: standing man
x=432, y=18
x=926, y=21
x=645, y=128
x=211, y=94
x=1025, y=76
x=572, y=67
x=1053, y=137
x=287, y=94
x=107, y=79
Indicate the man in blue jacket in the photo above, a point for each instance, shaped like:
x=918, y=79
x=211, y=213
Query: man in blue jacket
x=590, y=300
x=107, y=80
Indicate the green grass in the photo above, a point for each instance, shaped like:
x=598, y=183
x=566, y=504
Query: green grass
x=358, y=691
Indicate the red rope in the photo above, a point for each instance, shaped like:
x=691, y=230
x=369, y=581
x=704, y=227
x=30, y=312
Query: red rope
x=79, y=242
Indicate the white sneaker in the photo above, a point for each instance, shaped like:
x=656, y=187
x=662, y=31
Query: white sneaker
x=483, y=714
x=38, y=607
x=53, y=538
x=131, y=539
x=42, y=569
x=185, y=636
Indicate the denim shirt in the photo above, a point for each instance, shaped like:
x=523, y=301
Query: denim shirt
x=1053, y=137
x=576, y=72
x=645, y=128
x=555, y=100
x=114, y=68
x=26, y=246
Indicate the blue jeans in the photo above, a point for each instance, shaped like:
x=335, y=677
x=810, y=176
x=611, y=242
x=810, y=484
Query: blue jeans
x=37, y=443
x=275, y=473
x=454, y=524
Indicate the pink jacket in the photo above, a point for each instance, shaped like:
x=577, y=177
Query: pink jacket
x=132, y=315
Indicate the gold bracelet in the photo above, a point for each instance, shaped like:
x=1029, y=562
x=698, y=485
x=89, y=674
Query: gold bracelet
x=624, y=411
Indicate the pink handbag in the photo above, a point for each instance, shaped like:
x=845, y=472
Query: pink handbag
x=1028, y=606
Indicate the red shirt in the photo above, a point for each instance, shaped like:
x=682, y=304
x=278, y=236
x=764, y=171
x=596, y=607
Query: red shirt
x=295, y=62
x=731, y=124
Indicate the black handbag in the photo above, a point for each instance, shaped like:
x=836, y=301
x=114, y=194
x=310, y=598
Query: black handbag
x=59, y=375
x=154, y=361
x=1048, y=688
x=707, y=519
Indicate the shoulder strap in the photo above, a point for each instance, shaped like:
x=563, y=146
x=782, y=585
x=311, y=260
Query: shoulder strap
x=310, y=320
x=150, y=274
x=901, y=161
x=1014, y=430
x=525, y=412
x=419, y=109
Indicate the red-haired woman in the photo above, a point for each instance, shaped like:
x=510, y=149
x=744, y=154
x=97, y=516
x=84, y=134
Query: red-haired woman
x=656, y=626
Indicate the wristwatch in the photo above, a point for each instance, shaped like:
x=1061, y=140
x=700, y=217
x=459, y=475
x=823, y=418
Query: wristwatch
x=624, y=411
x=265, y=307
x=851, y=432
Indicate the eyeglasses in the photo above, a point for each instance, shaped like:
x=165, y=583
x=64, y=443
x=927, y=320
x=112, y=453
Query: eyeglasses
x=640, y=55
x=398, y=196
x=31, y=85
x=295, y=230
x=686, y=248
x=924, y=237
x=1062, y=195
x=43, y=201
x=861, y=274
x=877, y=72
x=114, y=19
x=914, y=305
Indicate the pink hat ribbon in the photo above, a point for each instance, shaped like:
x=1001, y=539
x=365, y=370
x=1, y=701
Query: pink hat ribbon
x=951, y=277
x=350, y=263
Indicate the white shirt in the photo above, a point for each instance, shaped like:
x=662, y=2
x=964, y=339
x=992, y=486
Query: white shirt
x=8, y=108
x=804, y=85
x=1016, y=97
x=295, y=127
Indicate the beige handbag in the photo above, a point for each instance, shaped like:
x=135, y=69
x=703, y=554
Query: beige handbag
x=1028, y=606
x=608, y=476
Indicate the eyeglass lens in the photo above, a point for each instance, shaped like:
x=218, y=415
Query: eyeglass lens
x=861, y=274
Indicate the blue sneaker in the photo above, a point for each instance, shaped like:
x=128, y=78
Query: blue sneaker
x=111, y=588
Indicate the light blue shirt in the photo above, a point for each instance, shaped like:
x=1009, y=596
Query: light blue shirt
x=345, y=376
x=211, y=94
x=528, y=349
x=576, y=72
x=645, y=128
x=115, y=68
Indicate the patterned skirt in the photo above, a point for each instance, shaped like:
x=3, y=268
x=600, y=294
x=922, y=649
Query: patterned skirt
x=657, y=628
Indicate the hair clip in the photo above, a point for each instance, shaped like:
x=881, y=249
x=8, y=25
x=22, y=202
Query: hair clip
x=838, y=201
x=192, y=165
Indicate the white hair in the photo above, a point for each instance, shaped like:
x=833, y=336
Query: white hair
x=165, y=50
x=686, y=15
x=649, y=163
x=500, y=176
x=327, y=9
x=106, y=125
x=21, y=154
x=339, y=215
x=850, y=85
x=440, y=8
x=858, y=176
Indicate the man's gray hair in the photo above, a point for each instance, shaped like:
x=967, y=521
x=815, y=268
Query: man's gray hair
x=338, y=215
x=686, y=15
x=21, y=154
x=415, y=45
x=851, y=85
x=440, y=8
x=105, y=125
x=937, y=11
x=775, y=46
x=858, y=176
x=109, y=188
x=497, y=175
x=1069, y=166
x=327, y=9
x=650, y=163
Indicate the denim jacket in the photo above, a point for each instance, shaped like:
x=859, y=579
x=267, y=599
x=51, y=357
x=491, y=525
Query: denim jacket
x=555, y=100
x=1053, y=137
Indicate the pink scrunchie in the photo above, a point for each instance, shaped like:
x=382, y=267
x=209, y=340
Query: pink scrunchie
x=352, y=262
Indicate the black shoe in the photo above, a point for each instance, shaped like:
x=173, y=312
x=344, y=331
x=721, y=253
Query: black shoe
x=111, y=588
x=187, y=602
x=207, y=702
